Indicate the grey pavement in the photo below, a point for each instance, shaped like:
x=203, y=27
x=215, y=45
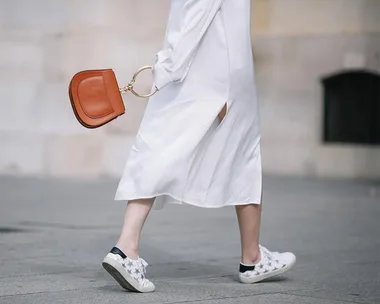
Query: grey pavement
x=55, y=233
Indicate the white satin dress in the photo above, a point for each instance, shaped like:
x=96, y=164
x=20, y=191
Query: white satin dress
x=182, y=152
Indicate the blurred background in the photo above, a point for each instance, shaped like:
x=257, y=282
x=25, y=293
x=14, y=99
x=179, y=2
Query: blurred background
x=317, y=66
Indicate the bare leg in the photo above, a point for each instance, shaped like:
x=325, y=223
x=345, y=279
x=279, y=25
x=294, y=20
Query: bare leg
x=256, y=267
x=135, y=216
x=249, y=217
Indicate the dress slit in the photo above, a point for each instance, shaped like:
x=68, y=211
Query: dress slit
x=222, y=114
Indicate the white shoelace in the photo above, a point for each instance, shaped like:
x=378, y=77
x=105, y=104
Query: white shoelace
x=270, y=255
x=142, y=267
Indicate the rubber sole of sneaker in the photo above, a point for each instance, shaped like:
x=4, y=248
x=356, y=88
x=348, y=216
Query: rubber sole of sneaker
x=121, y=276
x=264, y=276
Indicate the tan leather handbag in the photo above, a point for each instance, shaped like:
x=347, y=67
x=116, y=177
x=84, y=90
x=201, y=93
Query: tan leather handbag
x=96, y=97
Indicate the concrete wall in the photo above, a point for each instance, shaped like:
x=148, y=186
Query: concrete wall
x=42, y=44
x=296, y=42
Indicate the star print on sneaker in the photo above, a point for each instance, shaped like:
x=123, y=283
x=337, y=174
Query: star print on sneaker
x=271, y=264
x=129, y=273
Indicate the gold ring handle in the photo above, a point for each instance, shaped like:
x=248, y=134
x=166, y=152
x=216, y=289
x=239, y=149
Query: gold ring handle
x=129, y=86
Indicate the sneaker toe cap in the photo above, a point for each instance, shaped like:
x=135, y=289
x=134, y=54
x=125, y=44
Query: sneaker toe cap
x=149, y=287
x=288, y=258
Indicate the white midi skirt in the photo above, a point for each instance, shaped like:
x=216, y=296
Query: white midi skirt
x=182, y=152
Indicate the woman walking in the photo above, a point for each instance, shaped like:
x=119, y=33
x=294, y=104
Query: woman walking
x=199, y=140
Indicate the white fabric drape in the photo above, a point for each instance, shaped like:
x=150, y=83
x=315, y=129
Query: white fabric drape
x=182, y=153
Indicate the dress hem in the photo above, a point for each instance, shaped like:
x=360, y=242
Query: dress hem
x=181, y=201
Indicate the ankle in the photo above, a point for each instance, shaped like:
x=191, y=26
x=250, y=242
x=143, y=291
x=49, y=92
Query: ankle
x=133, y=255
x=251, y=258
x=130, y=251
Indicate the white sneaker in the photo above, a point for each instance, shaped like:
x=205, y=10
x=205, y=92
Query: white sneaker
x=130, y=274
x=271, y=264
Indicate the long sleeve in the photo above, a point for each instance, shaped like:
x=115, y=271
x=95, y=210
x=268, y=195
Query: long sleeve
x=174, y=61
